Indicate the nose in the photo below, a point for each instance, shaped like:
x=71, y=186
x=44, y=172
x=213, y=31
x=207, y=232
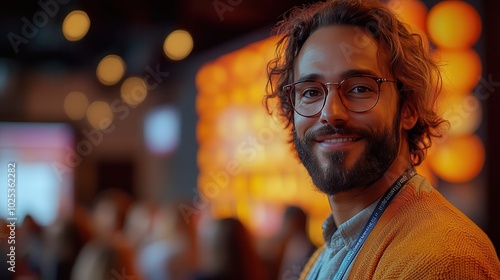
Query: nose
x=333, y=111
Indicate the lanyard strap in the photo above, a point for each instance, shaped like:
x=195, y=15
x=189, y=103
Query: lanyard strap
x=381, y=206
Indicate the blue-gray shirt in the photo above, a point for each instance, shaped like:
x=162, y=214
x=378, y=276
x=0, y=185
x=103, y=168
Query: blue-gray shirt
x=338, y=242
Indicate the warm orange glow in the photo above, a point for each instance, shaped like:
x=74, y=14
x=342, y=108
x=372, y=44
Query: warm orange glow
x=267, y=48
x=246, y=65
x=454, y=25
x=411, y=11
x=463, y=111
x=211, y=78
x=461, y=70
x=458, y=159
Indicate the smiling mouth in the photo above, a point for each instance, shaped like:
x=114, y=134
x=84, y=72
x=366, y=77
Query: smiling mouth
x=341, y=140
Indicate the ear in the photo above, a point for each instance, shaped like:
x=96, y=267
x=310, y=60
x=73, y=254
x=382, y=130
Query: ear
x=408, y=116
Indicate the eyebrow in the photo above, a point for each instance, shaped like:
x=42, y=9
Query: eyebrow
x=343, y=75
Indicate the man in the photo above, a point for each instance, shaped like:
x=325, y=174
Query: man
x=357, y=92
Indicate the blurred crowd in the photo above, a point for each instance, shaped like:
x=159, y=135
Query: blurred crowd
x=120, y=238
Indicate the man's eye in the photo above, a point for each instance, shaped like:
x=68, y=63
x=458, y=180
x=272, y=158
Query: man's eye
x=360, y=89
x=311, y=93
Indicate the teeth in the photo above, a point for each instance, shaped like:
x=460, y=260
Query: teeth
x=340, y=140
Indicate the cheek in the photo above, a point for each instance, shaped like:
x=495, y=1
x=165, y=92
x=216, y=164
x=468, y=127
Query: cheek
x=301, y=124
x=388, y=110
x=379, y=118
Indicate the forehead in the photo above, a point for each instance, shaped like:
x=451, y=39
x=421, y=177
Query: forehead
x=332, y=51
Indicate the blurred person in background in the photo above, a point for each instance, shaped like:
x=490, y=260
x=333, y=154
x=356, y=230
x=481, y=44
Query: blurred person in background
x=139, y=223
x=286, y=252
x=297, y=247
x=62, y=241
x=29, y=248
x=108, y=254
x=227, y=252
x=170, y=253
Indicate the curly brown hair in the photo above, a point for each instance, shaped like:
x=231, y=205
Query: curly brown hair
x=417, y=74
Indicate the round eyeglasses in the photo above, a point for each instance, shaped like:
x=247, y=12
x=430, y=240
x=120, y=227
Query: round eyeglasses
x=357, y=93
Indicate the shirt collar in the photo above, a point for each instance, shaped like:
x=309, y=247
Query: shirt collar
x=347, y=233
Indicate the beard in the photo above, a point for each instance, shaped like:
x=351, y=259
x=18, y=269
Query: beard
x=380, y=152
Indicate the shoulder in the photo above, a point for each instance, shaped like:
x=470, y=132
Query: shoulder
x=420, y=206
x=421, y=233
x=420, y=214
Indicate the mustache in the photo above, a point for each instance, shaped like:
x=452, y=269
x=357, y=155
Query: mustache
x=340, y=130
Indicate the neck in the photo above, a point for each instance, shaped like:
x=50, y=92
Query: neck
x=346, y=205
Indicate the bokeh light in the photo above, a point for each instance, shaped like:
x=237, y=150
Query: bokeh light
x=162, y=129
x=454, y=25
x=110, y=69
x=463, y=111
x=458, y=159
x=178, y=45
x=100, y=115
x=134, y=90
x=75, y=105
x=461, y=70
x=76, y=25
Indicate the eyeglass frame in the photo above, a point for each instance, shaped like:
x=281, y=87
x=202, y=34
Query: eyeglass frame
x=378, y=80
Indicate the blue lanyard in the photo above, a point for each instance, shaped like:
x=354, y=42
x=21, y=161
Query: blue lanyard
x=379, y=210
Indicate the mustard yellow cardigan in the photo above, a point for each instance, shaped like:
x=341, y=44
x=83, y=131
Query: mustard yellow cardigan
x=423, y=236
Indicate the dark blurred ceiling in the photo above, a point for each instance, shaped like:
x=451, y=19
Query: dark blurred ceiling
x=126, y=27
